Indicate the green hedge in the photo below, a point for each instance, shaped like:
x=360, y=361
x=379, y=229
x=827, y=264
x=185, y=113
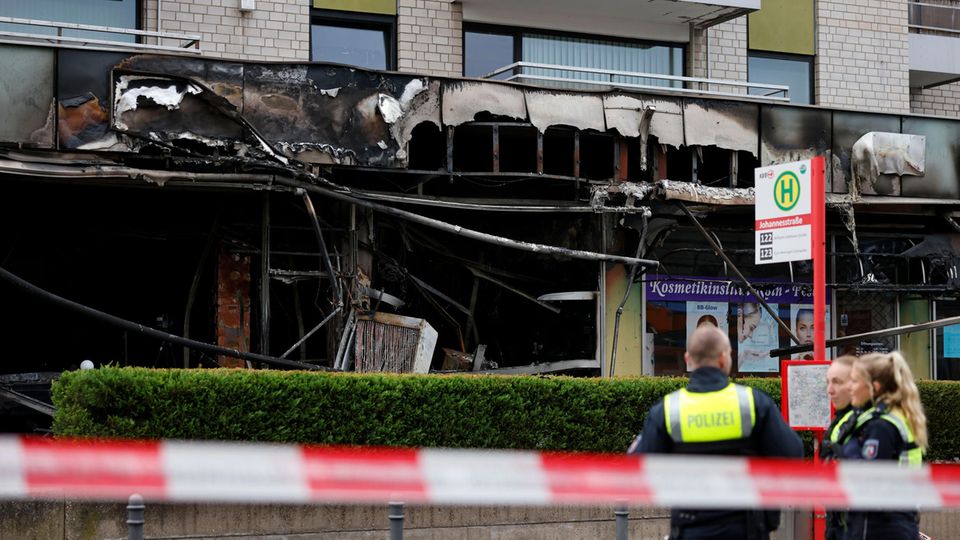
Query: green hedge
x=545, y=413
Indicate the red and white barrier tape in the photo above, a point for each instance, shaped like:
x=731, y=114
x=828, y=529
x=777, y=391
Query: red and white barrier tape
x=35, y=468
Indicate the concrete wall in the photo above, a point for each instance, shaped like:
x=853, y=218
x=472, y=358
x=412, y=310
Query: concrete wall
x=94, y=521
x=88, y=521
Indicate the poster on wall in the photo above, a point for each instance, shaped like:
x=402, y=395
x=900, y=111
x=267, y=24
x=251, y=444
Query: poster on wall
x=757, y=334
x=801, y=323
x=712, y=313
x=951, y=341
x=677, y=304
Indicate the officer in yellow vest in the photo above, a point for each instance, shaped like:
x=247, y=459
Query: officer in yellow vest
x=892, y=427
x=714, y=416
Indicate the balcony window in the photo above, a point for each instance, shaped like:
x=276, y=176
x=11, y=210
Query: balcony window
x=488, y=48
x=486, y=52
x=354, y=39
x=795, y=71
x=111, y=13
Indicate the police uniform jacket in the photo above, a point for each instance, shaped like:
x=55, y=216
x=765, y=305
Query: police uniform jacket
x=769, y=436
x=830, y=449
x=882, y=435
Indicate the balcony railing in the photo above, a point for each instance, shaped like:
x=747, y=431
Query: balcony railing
x=925, y=17
x=187, y=43
x=573, y=77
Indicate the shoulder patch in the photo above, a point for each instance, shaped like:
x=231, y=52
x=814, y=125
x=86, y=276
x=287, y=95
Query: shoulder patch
x=870, y=449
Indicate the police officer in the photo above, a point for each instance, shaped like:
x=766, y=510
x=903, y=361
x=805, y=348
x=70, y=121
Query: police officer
x=714, y=416
x=893, y=427
x=844, y=420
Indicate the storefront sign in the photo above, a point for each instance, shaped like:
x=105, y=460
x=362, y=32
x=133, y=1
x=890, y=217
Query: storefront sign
x=783, y=213
x=692, y=288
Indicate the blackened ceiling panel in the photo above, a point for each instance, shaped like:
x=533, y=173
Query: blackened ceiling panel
x=330, y=114
x=83, y=94
x=224, y=78
x=793, y=134
x=848, y=127
x=173, y=110
x=463, y=100
x=725, y=124
x=552, y=108
x=26, y=95
x=941, y=177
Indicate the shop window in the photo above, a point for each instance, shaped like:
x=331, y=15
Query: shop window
x=795, y=71
x=357, y=39
x=111, y=13
x=487, y=48
x=694, y=288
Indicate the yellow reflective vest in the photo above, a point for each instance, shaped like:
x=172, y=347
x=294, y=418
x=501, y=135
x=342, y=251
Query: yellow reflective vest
x=699, y=417
x=912, y=454
x=834, y=435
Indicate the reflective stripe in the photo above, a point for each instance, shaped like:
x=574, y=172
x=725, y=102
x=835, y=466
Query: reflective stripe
x=745, y=397
x=673, y=425
x=913, y=455
x=900, y=425
x=835, y=433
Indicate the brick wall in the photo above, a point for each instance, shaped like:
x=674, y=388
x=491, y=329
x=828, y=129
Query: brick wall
x=277, y=30
x=940, y=101
x=233, y=305
x=430, y=37
x=863, y=56
x=727, y=46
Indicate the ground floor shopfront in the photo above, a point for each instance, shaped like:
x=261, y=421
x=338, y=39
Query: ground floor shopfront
x=893, y=281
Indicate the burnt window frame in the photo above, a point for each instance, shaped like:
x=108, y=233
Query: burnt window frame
x=360, y=21
x=517, y=33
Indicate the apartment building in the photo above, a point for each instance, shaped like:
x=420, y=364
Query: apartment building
x=527, y=177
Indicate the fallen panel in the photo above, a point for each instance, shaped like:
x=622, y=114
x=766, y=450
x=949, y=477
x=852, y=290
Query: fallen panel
x=848, y=127
x=462, y=100
x=393, y=343
x=27, y=89
x=725, y=124
x=879, y=159
x=581, y=111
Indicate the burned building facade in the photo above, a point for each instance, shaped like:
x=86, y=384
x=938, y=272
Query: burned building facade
x=321, y=216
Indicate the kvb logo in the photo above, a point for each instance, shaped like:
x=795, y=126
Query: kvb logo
x=786, y=191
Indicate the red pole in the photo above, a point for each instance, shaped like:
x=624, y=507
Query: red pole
x=818, y=209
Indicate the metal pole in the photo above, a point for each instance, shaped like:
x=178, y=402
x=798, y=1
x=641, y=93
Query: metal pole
x=623, y=532
x=135, y=517
x=264, y=277
x=720, y=253
x=396, y=521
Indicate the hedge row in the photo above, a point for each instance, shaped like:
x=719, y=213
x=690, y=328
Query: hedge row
x=544, y=413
